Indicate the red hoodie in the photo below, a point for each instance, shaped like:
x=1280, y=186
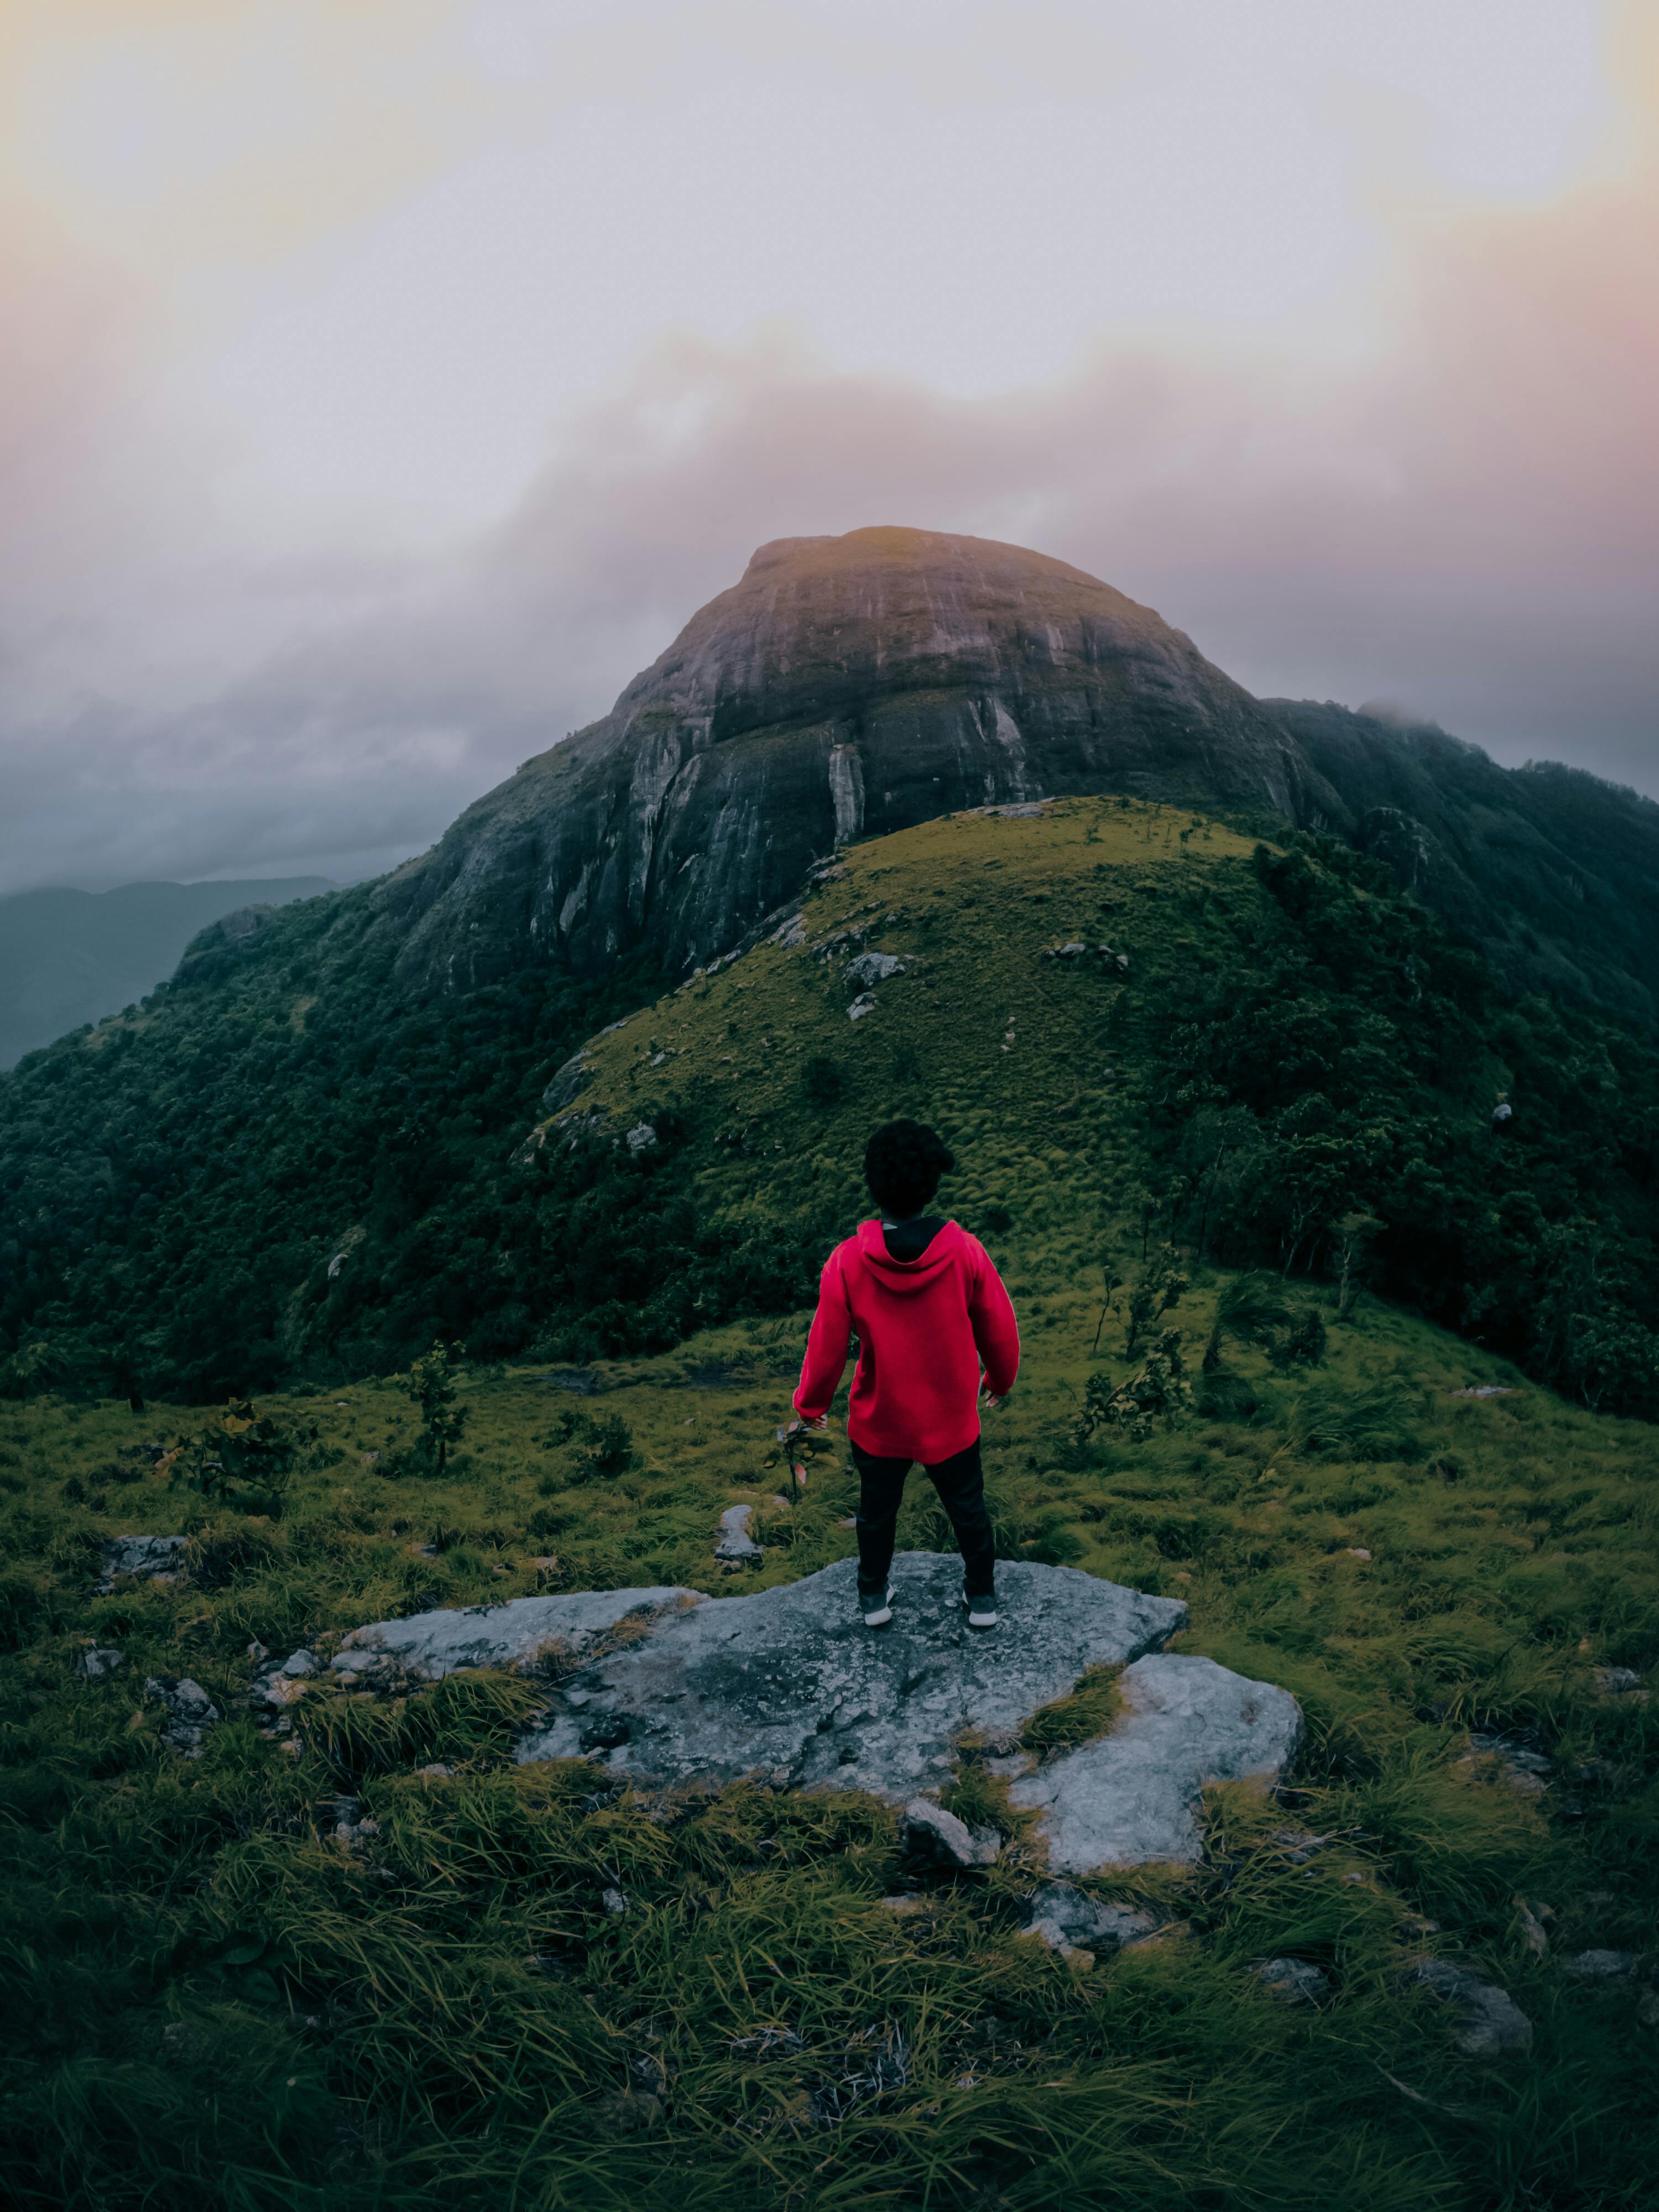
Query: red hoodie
x=924, y=1329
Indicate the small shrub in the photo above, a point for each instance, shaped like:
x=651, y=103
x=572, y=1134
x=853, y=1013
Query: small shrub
x=1303, y=1343
x=1159, y=1390
x=607, y=1449
x=430, y=1383
x=1159, y=1289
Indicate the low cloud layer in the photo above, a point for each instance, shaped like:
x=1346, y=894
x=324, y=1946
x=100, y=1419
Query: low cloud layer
x=1469, y=526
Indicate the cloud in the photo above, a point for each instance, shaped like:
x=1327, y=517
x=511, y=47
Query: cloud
x=1466, y=521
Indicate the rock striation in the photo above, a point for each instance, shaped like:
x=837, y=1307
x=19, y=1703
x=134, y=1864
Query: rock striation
x=665, y=1687
x=844, y=687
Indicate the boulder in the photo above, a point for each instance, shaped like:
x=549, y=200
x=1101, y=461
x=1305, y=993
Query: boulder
x=190, y=1712
x=280, y=1682
x=870, y=969
x=101, y=1660
x=1293, y=1981
x=153, y=1556
x=1519, y=1768
x=1604, y=1966
x=1067, y=1919
x=735, y=1541
x=1133, y=1795
x=1617, y=1681
x=789, y=1685
x=516, y=1634
x=930, y=1837
x=1493, y=2022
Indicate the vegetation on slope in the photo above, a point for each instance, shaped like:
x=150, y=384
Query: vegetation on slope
x=1551, y=869
x=69, y=957
x=176, y=1183
x=214, y=2002
x=281, y=1169
x=1267, y=1056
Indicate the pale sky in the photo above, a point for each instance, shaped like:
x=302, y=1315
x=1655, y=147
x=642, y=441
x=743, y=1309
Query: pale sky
x=383, y=381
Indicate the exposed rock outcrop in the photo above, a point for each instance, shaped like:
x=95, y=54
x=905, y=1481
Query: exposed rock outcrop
x=666, y=1688
x=845, y=686
x=1491, y=2022
x=189, y=1711
x=156, y=1558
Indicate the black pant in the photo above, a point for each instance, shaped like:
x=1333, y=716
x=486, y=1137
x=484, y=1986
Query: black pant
x=960, y=1482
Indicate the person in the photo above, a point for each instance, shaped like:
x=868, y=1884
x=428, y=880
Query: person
x=934, y=1326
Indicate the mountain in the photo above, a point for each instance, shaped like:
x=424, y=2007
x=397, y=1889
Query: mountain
x=1554, y=872
x=306, y=1154
x=68, y=958
x=846, y=687
x=283, y=1167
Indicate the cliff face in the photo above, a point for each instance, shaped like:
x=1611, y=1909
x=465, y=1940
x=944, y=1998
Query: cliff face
x=846, y=686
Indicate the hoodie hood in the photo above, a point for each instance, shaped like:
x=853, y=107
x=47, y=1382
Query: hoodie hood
x=906, y=1275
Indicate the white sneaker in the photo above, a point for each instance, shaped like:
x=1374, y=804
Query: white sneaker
x=876, y=1607
x=981, y=1612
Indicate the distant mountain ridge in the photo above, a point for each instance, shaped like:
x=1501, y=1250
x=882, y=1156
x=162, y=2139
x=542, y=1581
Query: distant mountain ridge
x=68, y=958
x=1551, y=871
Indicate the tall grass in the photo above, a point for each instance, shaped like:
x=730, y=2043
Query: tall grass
x=214, y=2002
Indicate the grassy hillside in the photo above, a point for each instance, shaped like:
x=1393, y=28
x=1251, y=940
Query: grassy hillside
x=283, y=1167
x=1260, y=1056
x=219, y=2003
x=1550, y=870
x=214, y=2003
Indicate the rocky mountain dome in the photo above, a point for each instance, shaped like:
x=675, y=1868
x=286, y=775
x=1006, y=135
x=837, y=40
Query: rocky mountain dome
x=846, y=686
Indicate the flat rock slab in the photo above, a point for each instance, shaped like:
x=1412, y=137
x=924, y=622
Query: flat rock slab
x=788, y=1683
x=1133, y=1795
x=516, y=1634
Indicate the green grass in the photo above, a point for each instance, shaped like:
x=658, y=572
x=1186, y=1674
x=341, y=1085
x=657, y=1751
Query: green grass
x=212, y=2003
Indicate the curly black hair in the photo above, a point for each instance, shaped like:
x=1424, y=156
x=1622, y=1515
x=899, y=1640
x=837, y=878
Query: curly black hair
x=903, y=1163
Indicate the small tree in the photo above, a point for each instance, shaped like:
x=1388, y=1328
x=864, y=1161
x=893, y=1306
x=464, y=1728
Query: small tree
x=1354, y=1232
x=1159, y=1391
x=246, y=1459
x=607, y=1448
x=1160, y=1288
x=431, y=1383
